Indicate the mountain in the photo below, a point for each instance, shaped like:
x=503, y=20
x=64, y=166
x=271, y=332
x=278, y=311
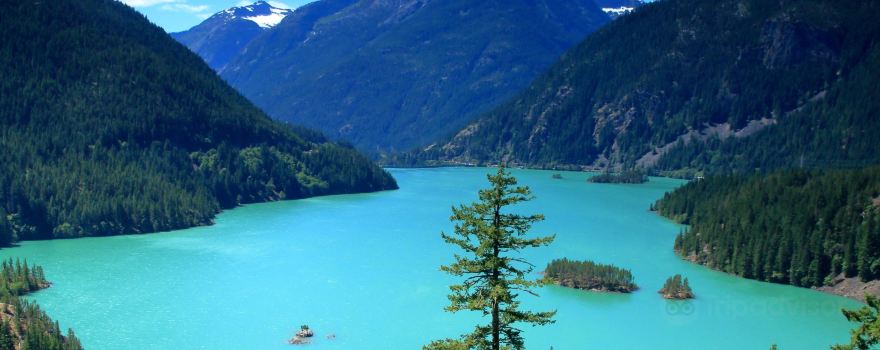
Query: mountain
x=393, y=74
x=224, y=35
x=696, y=85
x=109, y=126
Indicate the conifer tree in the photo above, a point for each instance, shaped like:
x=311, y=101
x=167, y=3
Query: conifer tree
x=493, y=272
x=867, y=334
x=6, y=236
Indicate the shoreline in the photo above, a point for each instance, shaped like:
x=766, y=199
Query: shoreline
x=210, y=222
x=596, y=290
x=556, y=167
x=846, y=287
x=575, y=168
x=851, y=288
x=843, y=287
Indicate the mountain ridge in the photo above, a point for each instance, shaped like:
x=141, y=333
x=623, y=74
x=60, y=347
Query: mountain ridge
x=712, y=65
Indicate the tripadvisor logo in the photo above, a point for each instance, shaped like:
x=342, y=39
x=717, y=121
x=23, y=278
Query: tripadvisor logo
x=773, y=306
x=679, y=307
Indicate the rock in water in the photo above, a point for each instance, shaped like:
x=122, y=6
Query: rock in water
x=302, y=336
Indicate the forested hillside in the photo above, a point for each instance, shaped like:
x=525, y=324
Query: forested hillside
x=109, y=126
x=696, y=85
x=393, y=74
x=839, y=129
x=797, y=227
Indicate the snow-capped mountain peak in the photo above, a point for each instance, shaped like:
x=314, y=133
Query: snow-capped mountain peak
x=225, y=34
x=262, y=13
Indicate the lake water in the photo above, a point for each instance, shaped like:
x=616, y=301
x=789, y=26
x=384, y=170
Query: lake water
x=365, y=268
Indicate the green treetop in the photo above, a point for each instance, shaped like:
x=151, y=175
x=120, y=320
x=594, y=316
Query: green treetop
x=867, y=334
x=493, y=273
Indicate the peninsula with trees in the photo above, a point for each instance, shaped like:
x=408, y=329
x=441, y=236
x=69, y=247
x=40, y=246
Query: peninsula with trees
x=813, y=228
x=588, y=275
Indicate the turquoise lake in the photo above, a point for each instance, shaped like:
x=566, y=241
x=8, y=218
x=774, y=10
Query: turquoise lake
x=365, y=268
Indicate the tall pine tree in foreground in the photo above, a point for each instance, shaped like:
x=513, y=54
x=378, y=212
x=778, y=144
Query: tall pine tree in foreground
x=493, y=273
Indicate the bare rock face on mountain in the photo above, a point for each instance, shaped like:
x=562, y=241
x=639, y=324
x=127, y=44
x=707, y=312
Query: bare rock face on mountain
x=786, y=42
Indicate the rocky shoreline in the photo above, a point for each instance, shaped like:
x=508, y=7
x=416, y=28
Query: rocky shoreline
x=851, y=287
x=847, y=287
x=597, y=287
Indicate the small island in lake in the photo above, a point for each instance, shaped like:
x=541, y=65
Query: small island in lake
x=588, y=275
x=631, y=176
x=676, y=288
x=557, y=176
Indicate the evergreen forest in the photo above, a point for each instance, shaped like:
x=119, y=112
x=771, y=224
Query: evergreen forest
x=799, y=227
x=109, y=126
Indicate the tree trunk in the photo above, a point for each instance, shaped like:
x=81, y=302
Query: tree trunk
x=496, y=327
x=496, y=338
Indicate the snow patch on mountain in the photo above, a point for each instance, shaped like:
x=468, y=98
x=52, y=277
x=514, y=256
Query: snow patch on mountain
x=262, y=13
x=617, y=11
x=270, y=20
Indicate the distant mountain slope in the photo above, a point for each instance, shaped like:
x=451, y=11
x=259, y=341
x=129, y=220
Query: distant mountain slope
x=224, y=35
x=393, y=74
x=755, y=82
x=618, y=3
x=109, y=126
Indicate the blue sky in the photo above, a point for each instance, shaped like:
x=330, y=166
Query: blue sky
x=178, y=15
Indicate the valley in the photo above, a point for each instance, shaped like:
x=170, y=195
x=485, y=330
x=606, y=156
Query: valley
x=444, y=175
